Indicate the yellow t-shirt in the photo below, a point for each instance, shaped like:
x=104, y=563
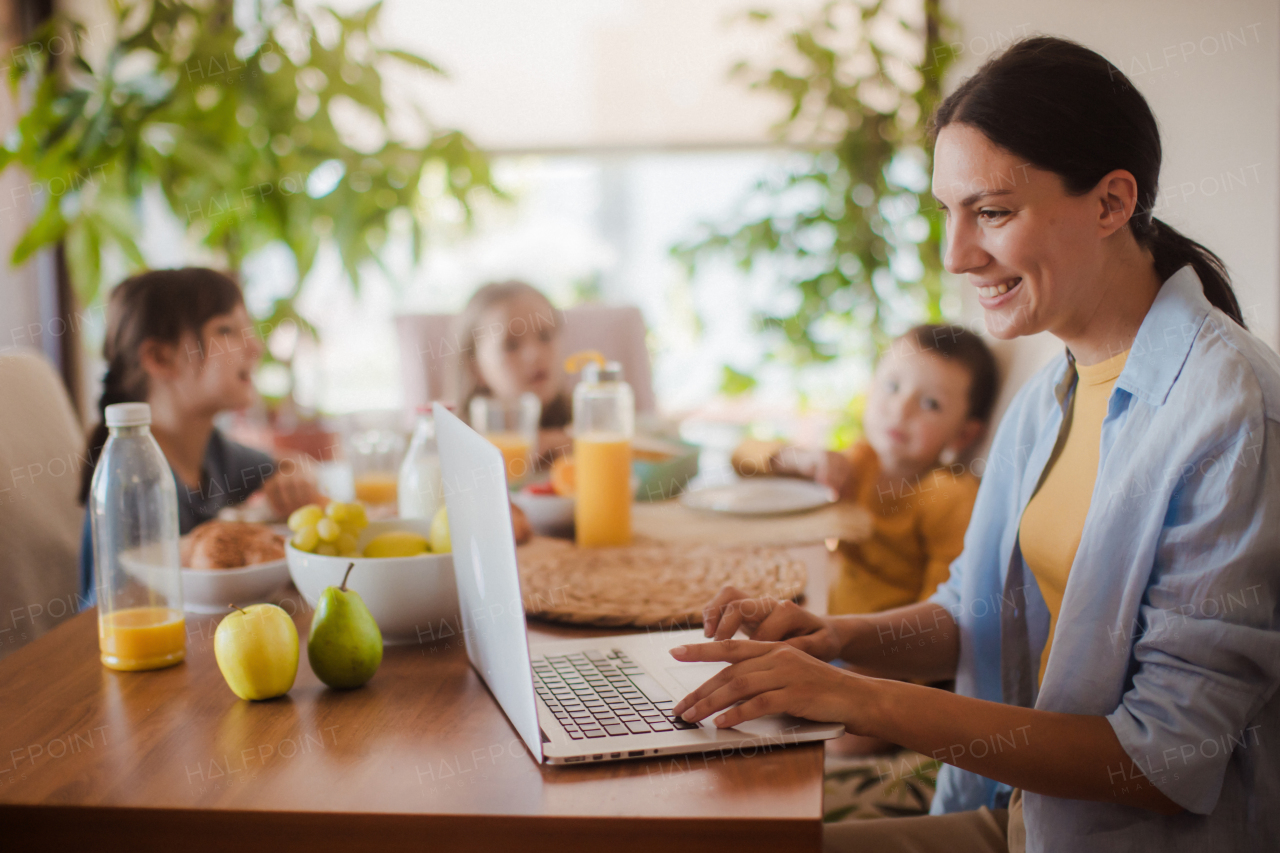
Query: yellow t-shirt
x=918, y=528
x=1054, y=519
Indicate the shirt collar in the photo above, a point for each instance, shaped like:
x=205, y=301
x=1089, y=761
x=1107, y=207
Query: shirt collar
x=1165, y=337
x=1161, y=346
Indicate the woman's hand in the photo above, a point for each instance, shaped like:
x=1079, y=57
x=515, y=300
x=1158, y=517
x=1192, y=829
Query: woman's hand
x=290, y=487
x=769, y=678
x=768, y=619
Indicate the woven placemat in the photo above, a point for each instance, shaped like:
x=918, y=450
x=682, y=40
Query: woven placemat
x=647, y=584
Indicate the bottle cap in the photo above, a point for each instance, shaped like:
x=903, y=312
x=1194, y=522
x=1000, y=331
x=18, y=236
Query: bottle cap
x=609, y=371
x=128, y=414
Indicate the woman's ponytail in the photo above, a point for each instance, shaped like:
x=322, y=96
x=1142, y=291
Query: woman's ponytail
x=1172, y=250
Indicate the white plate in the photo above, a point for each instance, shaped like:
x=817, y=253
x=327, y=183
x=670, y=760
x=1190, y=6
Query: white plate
x=547, y=514
x=761, y=496
x=211, y=590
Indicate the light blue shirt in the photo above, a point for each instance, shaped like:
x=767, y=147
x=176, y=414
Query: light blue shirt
x=1169, y=624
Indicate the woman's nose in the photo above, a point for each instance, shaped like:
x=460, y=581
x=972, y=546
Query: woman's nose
x=963, y=253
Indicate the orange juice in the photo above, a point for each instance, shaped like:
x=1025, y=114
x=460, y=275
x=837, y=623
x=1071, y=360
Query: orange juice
x=375, y=488
x=602, y=507
x=515, y=453
x=142, y=638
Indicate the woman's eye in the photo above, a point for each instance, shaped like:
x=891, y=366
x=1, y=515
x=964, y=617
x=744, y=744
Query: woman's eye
x=892, y=386
x=992, y=215
x=930, y=405
x=511, y=344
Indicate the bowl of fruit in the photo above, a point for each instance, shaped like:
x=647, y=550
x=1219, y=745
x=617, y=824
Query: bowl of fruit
x=549, y=504
x=404, y=569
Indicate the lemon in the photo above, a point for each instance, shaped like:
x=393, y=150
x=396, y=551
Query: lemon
x=304, y=517
x=396, y=543
x=440, y=542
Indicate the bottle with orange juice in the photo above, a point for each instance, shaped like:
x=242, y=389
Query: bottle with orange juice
x=133, y=517
x=604, y=415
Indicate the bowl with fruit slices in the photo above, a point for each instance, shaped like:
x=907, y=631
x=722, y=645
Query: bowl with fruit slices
x=549, y=504
x=404, y=569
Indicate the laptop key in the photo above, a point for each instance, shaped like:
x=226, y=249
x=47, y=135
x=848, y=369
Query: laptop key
x=595, y=733
x=616, y=731
x=638, y=728
x=661, y=727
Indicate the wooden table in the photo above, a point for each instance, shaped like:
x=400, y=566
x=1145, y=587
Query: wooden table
x=420, y=758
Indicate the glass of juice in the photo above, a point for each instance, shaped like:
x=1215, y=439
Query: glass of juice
x=512, y=426
x=375, y=456
x=604, y=424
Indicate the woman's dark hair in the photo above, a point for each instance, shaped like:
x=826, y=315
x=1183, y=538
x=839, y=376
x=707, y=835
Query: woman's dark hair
x=160, y=305
x=1067, y=110
x=956, y=343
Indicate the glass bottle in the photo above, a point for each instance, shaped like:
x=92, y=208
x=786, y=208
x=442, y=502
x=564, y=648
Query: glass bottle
x=604, y=416
x=133, y=512
x=420, y=488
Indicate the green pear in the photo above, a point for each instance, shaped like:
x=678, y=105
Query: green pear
x=345, y=646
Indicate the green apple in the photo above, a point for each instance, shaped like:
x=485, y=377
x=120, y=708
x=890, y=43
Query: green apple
x=257, y=651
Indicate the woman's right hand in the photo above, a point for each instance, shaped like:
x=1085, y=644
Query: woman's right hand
x=768, y=619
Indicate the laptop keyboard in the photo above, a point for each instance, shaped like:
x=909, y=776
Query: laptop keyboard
x=595, y=695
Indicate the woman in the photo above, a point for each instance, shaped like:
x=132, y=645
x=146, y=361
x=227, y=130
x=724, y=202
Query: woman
x=510, y=345
x=1111, y=622
x=182, y=341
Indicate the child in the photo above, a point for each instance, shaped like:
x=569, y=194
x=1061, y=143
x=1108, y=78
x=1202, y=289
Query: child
x=509, y=342
x=930, y=400
x=182, y=341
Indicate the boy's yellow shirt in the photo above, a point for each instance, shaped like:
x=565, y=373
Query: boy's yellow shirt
x=918, y=529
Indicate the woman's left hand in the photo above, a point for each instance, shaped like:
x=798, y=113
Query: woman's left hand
x=769, y=678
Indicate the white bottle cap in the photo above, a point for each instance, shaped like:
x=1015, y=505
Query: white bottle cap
x=128, y=414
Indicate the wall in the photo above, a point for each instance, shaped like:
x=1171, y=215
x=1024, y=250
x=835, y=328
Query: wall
x=1211, y=72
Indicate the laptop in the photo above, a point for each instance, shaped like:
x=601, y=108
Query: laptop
x=581, y=700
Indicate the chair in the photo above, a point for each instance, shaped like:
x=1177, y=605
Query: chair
x=41, y=453
x=429, y=352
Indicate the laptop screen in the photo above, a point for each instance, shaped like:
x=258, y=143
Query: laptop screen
x=484, y=565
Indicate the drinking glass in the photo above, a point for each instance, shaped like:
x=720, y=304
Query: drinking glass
x=512, y=426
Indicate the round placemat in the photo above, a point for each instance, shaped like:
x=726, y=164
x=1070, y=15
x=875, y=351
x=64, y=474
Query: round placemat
x=647, y=584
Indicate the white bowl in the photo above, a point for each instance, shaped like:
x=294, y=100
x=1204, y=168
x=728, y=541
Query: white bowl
x=548, y=514
x=211, y=590
x=413, y=599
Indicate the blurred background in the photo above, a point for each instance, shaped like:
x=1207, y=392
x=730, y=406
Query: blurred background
x=752, y=175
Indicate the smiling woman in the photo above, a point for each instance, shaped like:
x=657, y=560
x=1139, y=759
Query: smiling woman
x=1132, y=482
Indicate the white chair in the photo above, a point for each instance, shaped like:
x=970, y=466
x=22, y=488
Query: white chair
x=41, y=454
x=429, y=352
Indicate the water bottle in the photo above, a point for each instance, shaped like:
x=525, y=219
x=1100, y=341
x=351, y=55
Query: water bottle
x=420, y=488
x=133, y=515
x=604, y=418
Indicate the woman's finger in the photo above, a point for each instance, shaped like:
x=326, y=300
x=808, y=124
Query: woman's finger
x=715, y=607
x=747, y=611
x=785, y=618
x=761, y=705
x=739, y=686
x=717, y=681
x=722, y=650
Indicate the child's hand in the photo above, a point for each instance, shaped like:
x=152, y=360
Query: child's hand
x=835, y=471
x=291, y=487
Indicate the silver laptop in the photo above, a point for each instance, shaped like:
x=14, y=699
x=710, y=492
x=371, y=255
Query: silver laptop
x=582, y=700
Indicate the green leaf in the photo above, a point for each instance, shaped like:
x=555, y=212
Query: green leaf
x=734, y=383
x=413, y=59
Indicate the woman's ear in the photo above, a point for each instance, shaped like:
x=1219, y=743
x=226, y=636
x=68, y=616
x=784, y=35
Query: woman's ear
x=157, y=358
x=1119, y=196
